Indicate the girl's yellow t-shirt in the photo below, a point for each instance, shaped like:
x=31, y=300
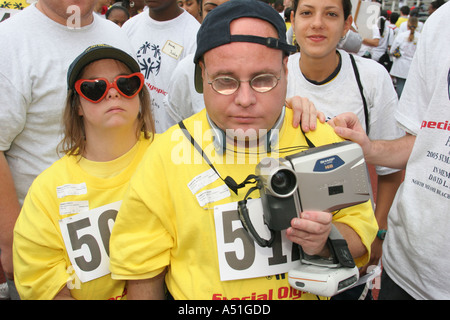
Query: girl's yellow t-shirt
x=67, y=189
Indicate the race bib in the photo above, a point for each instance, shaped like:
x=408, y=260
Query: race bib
x=239, y=256
x=86, y=237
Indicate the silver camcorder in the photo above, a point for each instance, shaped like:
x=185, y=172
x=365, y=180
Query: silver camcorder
x=326, y=178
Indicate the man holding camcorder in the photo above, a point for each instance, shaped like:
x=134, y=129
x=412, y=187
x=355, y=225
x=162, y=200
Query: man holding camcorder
x=179, y=222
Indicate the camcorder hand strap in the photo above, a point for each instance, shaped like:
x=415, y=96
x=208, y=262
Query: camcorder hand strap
x=247, y=222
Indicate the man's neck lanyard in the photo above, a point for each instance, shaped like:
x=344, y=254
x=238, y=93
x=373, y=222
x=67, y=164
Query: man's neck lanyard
x=229, y=181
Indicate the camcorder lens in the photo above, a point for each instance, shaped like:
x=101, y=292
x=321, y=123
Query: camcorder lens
x=283, y=182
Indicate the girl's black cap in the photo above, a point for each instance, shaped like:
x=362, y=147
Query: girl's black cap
x=98, y=52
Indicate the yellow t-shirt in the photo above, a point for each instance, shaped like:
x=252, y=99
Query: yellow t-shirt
x=400, y=21
x=167, y=218
x=65, y=191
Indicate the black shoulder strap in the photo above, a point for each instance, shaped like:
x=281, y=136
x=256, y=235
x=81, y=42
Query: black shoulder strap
x=358, y=80
x=309, y=142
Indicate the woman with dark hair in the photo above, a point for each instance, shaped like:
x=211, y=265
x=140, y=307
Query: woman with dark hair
x=134, y=6
x=117, y=14
x=336, y=82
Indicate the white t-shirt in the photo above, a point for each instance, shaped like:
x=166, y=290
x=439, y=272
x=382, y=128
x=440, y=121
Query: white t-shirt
x=160, y=46
x=342, y=95
x=401, y=65
x=182, y=100
x=35, y=54
x=416, y=251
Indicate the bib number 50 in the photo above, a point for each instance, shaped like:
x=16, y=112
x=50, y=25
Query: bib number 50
x=86, y=236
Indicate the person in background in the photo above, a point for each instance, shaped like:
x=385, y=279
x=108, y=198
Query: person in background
x=107, y=129
x=278, y=5
x=434, y=6
x=182, y=100
x=393, y=17
x=167, y=233
x=404, y=15
x=32, y=94
x=413, y=13
x=194, y=7
x=117, y=14
x=403, y=50
x=290, y=32
x=415, y=251
x=321, y=72
x=161, y=37
x=134, y=7
x=382, y=38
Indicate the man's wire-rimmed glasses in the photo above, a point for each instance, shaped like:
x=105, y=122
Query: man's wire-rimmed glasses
x=227, y=85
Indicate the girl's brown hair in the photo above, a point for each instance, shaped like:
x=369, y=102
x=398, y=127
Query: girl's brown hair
x=74, y=136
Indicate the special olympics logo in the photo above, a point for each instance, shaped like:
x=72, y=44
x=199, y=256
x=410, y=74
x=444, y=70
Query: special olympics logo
x=149, y=58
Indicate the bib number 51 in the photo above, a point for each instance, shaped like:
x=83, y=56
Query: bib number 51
x=240, y=257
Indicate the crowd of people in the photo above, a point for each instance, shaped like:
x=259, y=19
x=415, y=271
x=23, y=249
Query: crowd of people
x=126, y=145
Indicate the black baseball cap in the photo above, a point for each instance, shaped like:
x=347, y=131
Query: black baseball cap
x=215, y=30
x=98, y=52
